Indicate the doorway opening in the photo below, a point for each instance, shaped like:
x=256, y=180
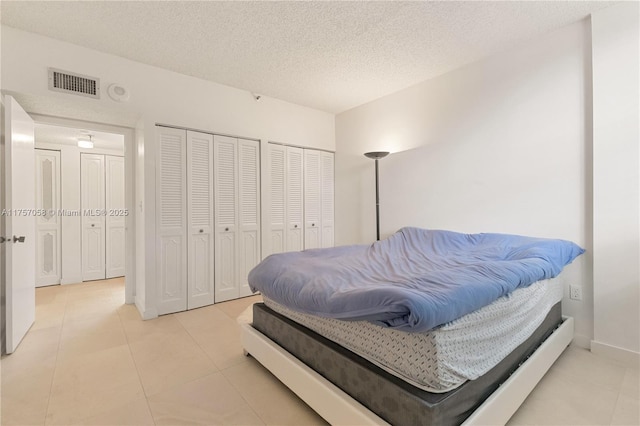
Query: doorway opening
x=84, y=187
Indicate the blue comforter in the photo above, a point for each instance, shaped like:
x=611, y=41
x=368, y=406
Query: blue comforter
x=414, y=280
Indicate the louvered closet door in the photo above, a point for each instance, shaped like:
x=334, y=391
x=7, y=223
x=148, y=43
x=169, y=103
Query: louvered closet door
x=48, y=246
x=226, y=217
x=277, y=191
x=115, y=217
x=312, y=199
x=328, y=203
x=249, y=211
x=200, y=289
x=295, y=201
x=92, y=203
x=171, y=220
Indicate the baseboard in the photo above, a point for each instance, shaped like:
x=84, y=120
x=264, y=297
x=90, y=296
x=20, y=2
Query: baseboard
x=146, y=314
x=624, y=356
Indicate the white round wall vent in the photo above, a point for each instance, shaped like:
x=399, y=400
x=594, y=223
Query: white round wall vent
x=118, y=93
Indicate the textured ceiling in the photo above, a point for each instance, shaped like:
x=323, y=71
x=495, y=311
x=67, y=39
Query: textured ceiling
x=331, y=56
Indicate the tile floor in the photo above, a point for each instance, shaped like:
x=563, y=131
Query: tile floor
x=89, y=359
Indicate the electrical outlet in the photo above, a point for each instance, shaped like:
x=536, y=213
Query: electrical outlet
x=575, y=292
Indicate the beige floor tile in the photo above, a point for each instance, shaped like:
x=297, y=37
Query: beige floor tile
x=627, y=411
x=208, y=317
x=86, y=309
x=84, y=385
x=54, y=294
x=631, y=384
x=270, y=399
x=211, y=400
x=233, y=308
x=25, y=396
x=135, y=413
x=561, y=400
x=49, y=315
x=95, y=334
x=222, y=344
x=589, y=368
x=166, y=358
x=137, y=329
x=38, y=348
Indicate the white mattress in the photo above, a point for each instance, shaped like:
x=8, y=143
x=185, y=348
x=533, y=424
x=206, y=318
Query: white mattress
x=443, y=358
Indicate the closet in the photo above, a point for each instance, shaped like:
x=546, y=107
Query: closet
x=103, y=215
x=207, y=216
x=48, y=221
x=301, y=204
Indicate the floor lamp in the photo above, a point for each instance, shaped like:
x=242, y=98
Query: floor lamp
x=376, y=156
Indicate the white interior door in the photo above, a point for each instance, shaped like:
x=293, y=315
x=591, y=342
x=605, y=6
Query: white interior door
x=92, y=203
x=115, y=217
x=20, y=225
x=171, y=220
x=248, y=211
x=200, y=288
x=48, y=224
x=226, y=218
x=312, y=199
x=277, y=167
x=295, y=201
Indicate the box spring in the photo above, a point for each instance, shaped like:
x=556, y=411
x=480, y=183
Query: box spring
x=394, y=400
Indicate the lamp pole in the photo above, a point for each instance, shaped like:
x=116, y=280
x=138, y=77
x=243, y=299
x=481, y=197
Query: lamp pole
x=376, y=156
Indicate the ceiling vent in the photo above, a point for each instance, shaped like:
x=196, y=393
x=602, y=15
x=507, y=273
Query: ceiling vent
x=77, y=84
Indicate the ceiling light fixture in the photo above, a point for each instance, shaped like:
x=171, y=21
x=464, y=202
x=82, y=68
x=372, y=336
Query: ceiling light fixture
x=85, y=143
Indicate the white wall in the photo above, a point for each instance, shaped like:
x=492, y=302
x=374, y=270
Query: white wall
x=616, y=188
x=502, y=145
x=157, y=96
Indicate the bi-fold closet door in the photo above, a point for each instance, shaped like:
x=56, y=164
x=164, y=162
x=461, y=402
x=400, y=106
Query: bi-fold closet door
x=237, y=214
x=301, y=189
x=286, y=190
x=48, y=223
x=318, y=198
x=184, y=220
x=204, y=254
x=103, y=216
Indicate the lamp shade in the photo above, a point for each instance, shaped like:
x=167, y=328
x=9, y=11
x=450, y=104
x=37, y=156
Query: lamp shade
x=376, y=155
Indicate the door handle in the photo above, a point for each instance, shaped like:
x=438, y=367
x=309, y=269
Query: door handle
x=3, y=239
x=18, y=239
x=93, y=224
x=201, y=231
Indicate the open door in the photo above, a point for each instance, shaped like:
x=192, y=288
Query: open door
x=19, y=216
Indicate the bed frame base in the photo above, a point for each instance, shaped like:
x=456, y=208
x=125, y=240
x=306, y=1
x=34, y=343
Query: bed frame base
x=338, y=408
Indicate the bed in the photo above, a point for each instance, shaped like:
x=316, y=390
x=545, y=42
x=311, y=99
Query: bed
x=409, y=359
